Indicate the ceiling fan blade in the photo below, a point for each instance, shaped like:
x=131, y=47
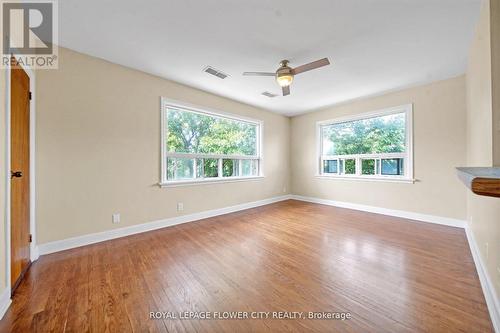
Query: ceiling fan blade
x=258, y=74
x=286, y=90
x=311, y=66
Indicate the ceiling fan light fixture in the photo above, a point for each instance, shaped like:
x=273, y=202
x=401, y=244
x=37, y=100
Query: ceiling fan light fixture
x=284, y=80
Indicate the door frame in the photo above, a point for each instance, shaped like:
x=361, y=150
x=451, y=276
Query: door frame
x=33, y=246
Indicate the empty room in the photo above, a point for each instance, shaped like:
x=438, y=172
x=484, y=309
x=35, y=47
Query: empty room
x=250, y=166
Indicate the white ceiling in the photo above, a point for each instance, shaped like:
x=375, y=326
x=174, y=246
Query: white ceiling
x=374, y=45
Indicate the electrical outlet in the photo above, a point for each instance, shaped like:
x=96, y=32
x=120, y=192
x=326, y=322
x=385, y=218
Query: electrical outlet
x=180, y=206
x=284, y=189
x=116, y=218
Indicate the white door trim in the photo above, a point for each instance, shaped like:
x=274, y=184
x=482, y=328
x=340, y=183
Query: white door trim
x=33, y=248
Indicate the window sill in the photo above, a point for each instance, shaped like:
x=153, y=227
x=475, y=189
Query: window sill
x=179, y=183
x=369, y=179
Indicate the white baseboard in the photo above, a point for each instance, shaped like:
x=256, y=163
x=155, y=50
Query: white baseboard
x=34, y=253
x=489, y=292
x=4, y=301
x=73, y=242
x=386, y=211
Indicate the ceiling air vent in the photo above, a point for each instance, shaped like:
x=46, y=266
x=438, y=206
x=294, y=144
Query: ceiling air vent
x=268, y=94
x=215, y=72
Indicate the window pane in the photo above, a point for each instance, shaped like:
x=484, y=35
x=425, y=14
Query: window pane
x=330, y=166
x=392, y=166
x=210, y=167
x=350, y=167
x=190, y=132
x=383, y=134
x=368, y=167
x=249, y=168
x=230, y=168
x=180, y=168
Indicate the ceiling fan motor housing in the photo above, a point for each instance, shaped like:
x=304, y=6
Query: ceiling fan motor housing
x=284, y=75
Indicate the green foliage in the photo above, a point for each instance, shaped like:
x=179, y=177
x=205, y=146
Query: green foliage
x=229, y=168
x=210, y=167
x=384, y=134
x=350, y=167
x=368, y=167
x=190, y=132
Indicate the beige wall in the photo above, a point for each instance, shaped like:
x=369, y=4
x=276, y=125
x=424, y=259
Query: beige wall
x=483, y=212
x=479, y=96
x=98, y=150
x=2, y=179
x=439, y=147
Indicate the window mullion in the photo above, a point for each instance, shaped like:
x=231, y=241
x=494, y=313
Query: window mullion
x=214, y=156
x=195, y=168
x=202, y=168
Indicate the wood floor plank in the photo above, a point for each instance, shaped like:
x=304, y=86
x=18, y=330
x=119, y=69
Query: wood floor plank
x=390, y=274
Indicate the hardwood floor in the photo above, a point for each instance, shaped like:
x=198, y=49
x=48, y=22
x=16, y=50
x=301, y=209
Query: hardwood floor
x=390, y=274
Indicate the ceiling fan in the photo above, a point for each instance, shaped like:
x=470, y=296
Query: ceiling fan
x=284, y=75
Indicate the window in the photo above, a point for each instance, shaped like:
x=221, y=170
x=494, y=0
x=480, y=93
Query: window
x=377, y=145
x=204, y=146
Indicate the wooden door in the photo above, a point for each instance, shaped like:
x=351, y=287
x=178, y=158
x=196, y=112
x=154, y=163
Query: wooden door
x=20, y=175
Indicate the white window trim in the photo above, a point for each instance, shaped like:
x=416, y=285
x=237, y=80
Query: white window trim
x=170, y=103
x=407, y=155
